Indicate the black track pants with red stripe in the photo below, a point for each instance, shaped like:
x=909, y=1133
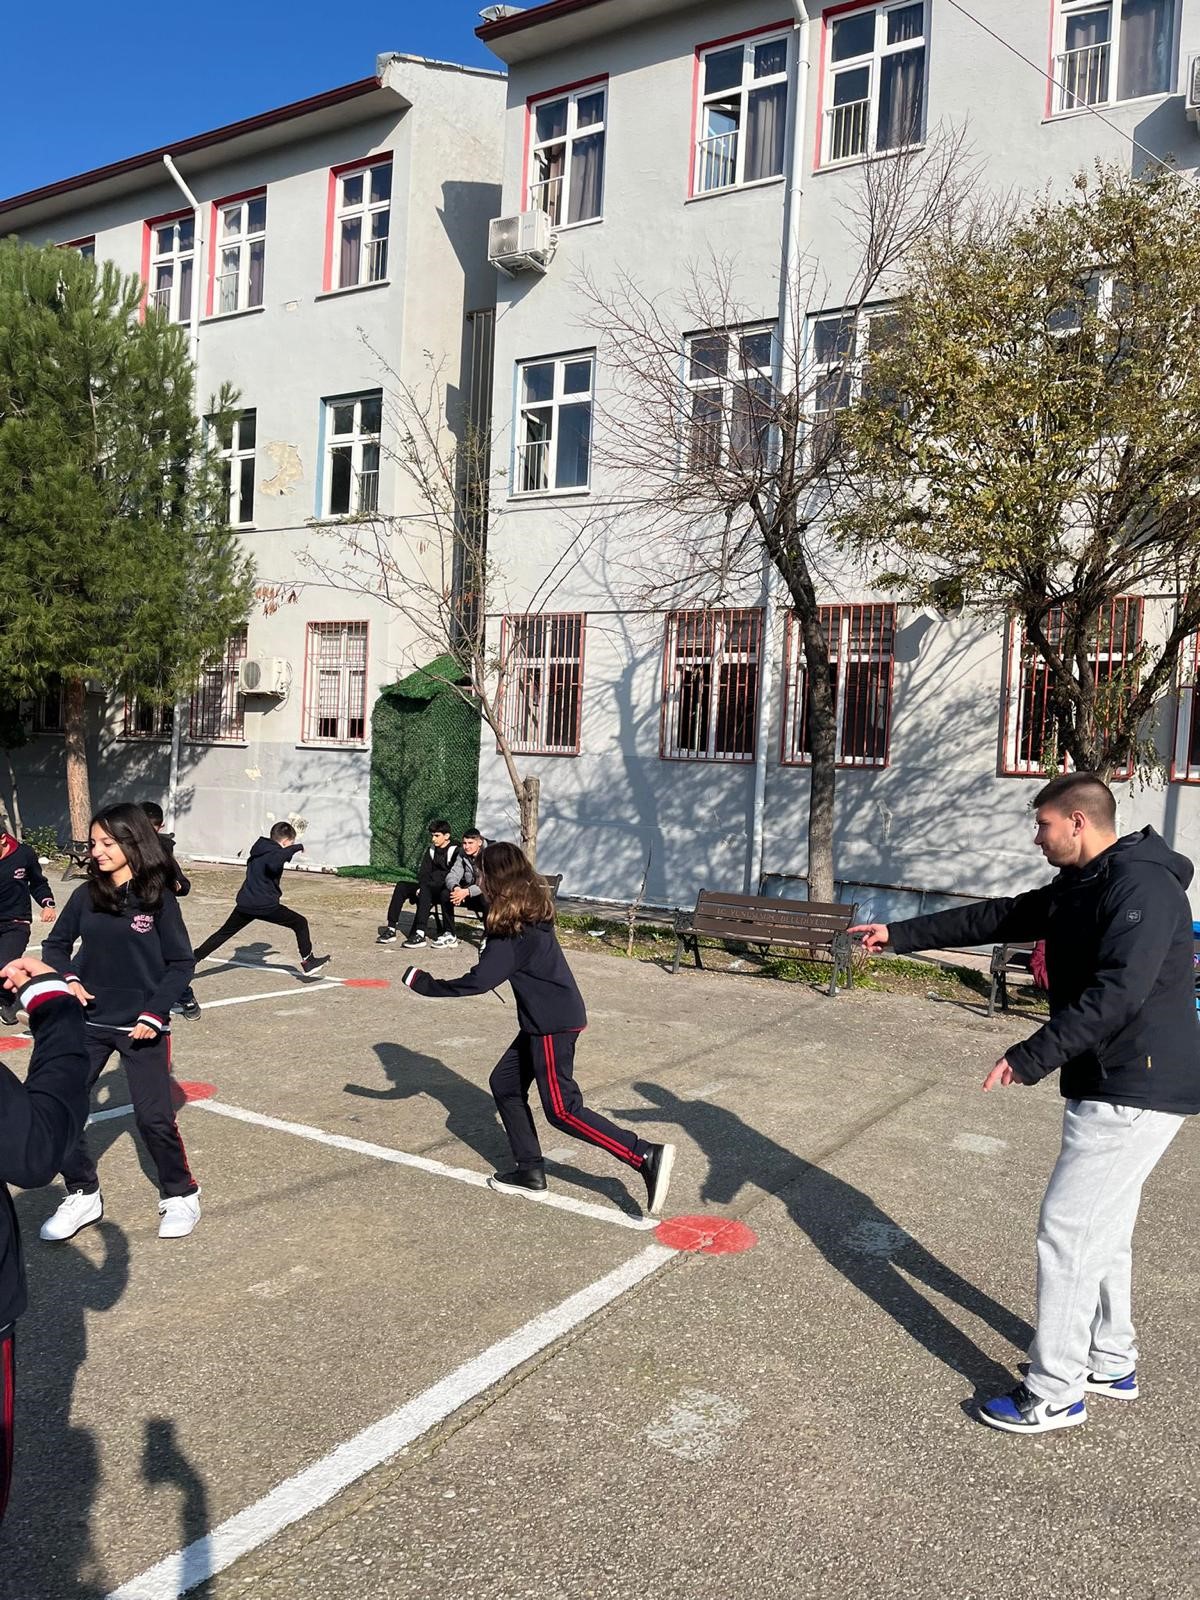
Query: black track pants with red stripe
x=548, y=1059
x=8, y=1384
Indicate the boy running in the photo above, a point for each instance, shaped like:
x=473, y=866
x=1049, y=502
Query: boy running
x=260, y=899
x=188, y=1006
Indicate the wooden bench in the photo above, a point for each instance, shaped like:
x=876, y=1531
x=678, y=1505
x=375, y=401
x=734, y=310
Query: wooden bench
x=1006, y=958
x=553, y=882
x=822, y=930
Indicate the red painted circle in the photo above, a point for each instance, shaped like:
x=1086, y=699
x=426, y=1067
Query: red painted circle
x=197, y=1091
x=710, y=1236
x=366, y=983
x=14, y=1043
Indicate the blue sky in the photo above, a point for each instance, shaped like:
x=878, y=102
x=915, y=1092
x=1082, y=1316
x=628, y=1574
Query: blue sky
x=83, y=83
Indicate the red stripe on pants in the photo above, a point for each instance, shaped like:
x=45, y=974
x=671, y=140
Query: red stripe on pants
x=585, y=1129
x=7, y=1393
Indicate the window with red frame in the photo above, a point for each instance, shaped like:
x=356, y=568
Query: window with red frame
x=362, y=209
x=1030, y=737
x=146, y=720
x=543, y=682
x=335, y=674
x=741, y=117
x=217, y=714
x=861, y=640
x=710, y=685
x=1186, y=766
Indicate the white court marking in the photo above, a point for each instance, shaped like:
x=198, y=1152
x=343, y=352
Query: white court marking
x=263, y=966
x=297, y=1497
x=271, y=994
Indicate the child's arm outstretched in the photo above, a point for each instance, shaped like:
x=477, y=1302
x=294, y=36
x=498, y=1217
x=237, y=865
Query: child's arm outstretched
x=41, y=1118
x=496, y=965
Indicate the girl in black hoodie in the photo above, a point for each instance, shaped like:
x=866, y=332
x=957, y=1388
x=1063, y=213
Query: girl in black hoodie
x=521, y=949
x=133, y=962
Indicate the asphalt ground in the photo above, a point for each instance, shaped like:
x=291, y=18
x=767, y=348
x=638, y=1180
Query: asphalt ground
x=366, y=1374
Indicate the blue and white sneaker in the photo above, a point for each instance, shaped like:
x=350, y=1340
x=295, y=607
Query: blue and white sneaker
x=1022, y=1411
x=1122, y=1388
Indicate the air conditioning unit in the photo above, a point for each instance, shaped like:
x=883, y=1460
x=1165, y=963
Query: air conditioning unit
x=524, y=243
x=1191, y=89
x=264, y=675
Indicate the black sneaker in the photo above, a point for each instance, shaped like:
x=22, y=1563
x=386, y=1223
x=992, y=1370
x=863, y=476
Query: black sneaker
x=414, y=941
x=8, y=1013
x=521, y=1180
x=656, y=1169
x=190, y=1008
x=312, y=964
x=386, y=935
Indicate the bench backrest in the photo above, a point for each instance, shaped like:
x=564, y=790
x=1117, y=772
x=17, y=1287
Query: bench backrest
x=753, y=917
x=552, y=880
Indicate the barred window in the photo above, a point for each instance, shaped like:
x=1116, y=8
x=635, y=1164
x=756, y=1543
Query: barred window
x=543, y=682
x=860, y=639
x=710, y=685
x=1029, y=734
x=146, y=720
x=217, y=713
x=335, y=678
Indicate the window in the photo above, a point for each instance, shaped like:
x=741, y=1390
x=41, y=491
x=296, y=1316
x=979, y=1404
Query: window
x=554, y=426
x=1030, y=737
x=543, y=682
x=742, y=115
x=731, y=398
x=352, y=426
x=840, y=345
x=217, y=713
x=875, y=81
x=363, y=206
x=1186, y=766
x=84, y=247
x=335, y=674
x=566, y=178
x=172, y=260
x=710, y=685
x=50, y=708
x=146, y=720
x=1112, y=50
x=235, y=450
x=860, y=639
x=241, y=246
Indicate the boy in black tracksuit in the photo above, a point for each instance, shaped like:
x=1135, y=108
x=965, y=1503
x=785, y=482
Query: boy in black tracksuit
x=40, y=1120
x=551, y=1015
x=188, y=1006
x=260, y=898
x=431, y=889
x=21, y=882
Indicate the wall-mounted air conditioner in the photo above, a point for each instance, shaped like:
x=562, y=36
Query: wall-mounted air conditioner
x=524, y=243
x=264, y=675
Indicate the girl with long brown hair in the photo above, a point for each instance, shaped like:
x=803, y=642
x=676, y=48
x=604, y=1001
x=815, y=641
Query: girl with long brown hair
x=521, y=949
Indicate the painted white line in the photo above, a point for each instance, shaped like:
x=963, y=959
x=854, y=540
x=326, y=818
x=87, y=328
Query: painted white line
x=261, y=966
x=111, y=1111
x=382, y=1152
x=315, y=1486
x=271, y=994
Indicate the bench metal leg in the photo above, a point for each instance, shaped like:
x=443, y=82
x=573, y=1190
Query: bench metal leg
x=678, y=955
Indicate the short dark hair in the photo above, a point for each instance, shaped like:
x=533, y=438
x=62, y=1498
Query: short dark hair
x=154, y=811
x=282, y=831
x=439, y=825
x=472, y=833
x=1080, y=791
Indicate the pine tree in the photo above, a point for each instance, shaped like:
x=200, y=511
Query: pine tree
x=116, y=560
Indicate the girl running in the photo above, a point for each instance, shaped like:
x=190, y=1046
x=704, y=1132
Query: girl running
x=133, y=963
x=521, y=949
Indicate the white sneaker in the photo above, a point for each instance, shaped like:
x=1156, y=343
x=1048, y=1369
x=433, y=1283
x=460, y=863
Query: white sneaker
x=446, y=941
x=77, y=1211
x=178, y=1215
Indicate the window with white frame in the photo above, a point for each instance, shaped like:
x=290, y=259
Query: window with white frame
x=235, y=451
x=1029, y=730
x=1185, y=768
x=363, y=209
x=875, y=81
x=217, y=712
x=335, y=676
x=710, y=685
x=241, y=253
x=554, y=424
x=742, y=113
x=860, y=640
x=566, y=177
x=83, y=247
x=731, y=406
x=1112, y=50
x=145, y=719
x=840, y=345
x=50, y=708
x=352, y=428
x=542, y=659
x=172, y=263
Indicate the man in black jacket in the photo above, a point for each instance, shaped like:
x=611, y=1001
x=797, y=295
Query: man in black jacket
x=1123, y=1035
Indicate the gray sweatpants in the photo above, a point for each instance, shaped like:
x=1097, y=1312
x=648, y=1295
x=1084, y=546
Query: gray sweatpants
x=1084, y=1245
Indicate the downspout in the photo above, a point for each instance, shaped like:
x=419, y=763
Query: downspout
x=786, y=349
x=198, y=270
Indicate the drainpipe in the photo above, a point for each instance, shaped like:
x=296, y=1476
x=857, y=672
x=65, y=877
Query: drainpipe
x=786, y=348
x=194, y=353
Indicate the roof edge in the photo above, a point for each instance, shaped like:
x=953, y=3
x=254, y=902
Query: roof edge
x=528, y=19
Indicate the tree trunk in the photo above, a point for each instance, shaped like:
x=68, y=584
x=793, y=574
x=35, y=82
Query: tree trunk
x=530, y=800
x=822, y=738
x=79, y=793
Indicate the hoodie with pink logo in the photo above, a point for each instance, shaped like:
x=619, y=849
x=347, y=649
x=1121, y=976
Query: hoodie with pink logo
x=136, y=963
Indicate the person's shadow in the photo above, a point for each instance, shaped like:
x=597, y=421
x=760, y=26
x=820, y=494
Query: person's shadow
x=46, y=1545
x=163, y=1461
x=254, y=955
x=869, y=1248
x=471, y=1116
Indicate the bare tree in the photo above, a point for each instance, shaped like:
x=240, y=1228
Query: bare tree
x=737, y=469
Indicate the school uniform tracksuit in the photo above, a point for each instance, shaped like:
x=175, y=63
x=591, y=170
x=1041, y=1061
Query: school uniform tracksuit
x=431, y=889
x=40, y=1120
x=551, y=1016
x=182, y=886
x=136, y=963
x=21, y=881
x=260, y=899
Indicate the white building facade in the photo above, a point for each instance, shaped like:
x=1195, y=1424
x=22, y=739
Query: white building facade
x=659, y=135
